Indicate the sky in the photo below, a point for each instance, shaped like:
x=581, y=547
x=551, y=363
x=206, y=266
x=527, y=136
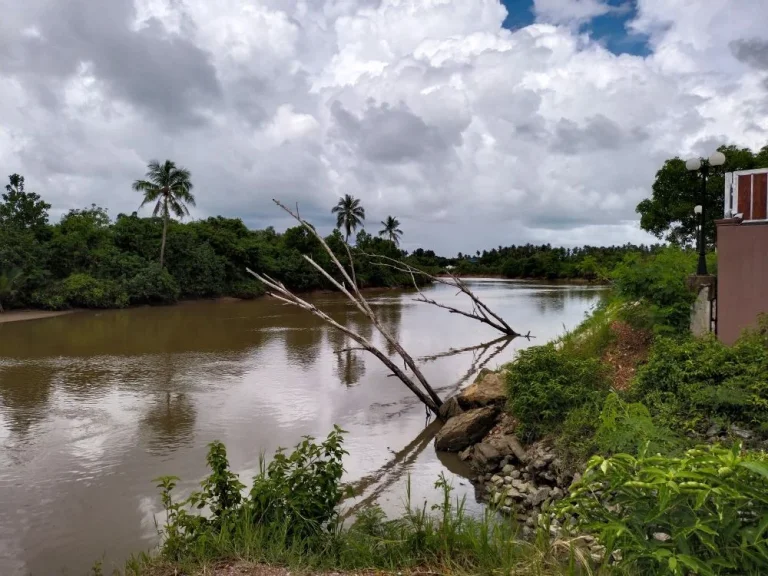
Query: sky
x=477, y=123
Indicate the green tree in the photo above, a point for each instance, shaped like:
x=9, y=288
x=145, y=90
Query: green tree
x=668, y=213
x=349, y=214
x=391, y=229
x=22, y=209
x=8, y=282
x=170, y=187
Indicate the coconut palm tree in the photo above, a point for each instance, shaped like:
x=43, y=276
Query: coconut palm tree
x=391, y=229
x=349, y=214
x=170, y=187
x=7, y=283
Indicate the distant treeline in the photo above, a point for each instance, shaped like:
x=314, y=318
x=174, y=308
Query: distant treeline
x=87, y=260
x=593, y=263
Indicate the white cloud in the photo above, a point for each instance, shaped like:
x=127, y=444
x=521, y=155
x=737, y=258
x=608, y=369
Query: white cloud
x=571, y=12
x=472, y=135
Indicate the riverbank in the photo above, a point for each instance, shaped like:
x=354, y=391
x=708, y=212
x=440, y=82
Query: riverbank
x=23, y=315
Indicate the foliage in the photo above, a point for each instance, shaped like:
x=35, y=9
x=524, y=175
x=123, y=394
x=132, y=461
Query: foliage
x=349, y=214
x=592, y=263
x=705, y=512
x=629, y=428
x=303, y=488
x=443, y=538
x=688, y=382
x=204, y=258
x=669, y=215
x=8, y=282
x=658, y=280
x=298, y=492
x=152, y=285
x=391, y=230
x=21, y=209
x=545, y=384
x=170, y=188
x=83, y=291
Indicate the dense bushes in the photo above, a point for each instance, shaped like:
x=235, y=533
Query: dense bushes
x=546, y=384
x=690, y=382
x=658, y=281
x=705, y=512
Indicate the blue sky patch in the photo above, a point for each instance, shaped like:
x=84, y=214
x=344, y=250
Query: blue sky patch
x=610, y=29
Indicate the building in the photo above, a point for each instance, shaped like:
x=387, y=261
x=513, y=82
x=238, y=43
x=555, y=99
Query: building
x=742, y=253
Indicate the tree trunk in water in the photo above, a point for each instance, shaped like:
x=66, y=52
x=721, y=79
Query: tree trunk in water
x=162, y=246
x=1, y=308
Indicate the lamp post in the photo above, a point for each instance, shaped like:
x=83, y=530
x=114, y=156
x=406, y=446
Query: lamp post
x=697, y=165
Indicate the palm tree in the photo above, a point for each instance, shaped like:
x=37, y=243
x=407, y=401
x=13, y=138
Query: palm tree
x=349, y=214
x=170, y=187
x=7, y=281
x=391, y=229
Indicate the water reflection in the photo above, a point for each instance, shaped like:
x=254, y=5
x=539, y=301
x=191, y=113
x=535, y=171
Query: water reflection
x=169, y=422
x=25, y=391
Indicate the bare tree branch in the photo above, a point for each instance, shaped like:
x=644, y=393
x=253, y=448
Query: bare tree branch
x=280, y=292
x=480, y=311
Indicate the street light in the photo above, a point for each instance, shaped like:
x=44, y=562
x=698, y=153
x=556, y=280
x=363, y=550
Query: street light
x=697, y=165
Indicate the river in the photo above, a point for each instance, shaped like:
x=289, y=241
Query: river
x=94, y=405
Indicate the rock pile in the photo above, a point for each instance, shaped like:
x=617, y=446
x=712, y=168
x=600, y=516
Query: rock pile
x=523, y=483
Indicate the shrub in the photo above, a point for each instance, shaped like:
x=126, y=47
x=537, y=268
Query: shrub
x=153, y=285
x=660, y=281
x=84, y=291
x=296, y=495
x=628, y=427
x=545, y=384
x=704, y=513
x=687, y=382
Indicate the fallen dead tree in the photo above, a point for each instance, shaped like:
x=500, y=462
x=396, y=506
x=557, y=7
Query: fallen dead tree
x=416, y=384
x=480, y=311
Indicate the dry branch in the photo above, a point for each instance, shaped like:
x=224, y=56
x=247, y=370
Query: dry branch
x=420, y=387
x=480, y=311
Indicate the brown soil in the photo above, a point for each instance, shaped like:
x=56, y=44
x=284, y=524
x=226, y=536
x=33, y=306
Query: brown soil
x=628, y=350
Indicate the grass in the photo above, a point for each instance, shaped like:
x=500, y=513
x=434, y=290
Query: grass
x=441, y=539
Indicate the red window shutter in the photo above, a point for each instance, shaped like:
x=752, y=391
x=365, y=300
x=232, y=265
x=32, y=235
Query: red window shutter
x=745, y=197
x=760, y=197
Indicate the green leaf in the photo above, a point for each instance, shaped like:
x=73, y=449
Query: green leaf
x=757, y=467
x=695, y=564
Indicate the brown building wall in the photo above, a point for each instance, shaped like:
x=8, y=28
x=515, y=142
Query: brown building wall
x=742, y=276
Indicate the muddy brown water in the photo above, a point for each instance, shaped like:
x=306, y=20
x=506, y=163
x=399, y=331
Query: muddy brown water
x=95, y=405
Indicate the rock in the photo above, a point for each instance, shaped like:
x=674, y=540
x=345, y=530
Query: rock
x=465, y=429
x=507, y=479
x=488, y=389
x=465, y=454
x=557, y=493
x=449, y=409
x=714, y=430
x=515, y=474
x=508, y=501
x=506, y=509
x=526, y=476
x=497, y=497
x=740, y=432
x=661, y=536
x=496, y=479
x=508, y=469
x=540, y=495
x=495, y=450
x=519, y=485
